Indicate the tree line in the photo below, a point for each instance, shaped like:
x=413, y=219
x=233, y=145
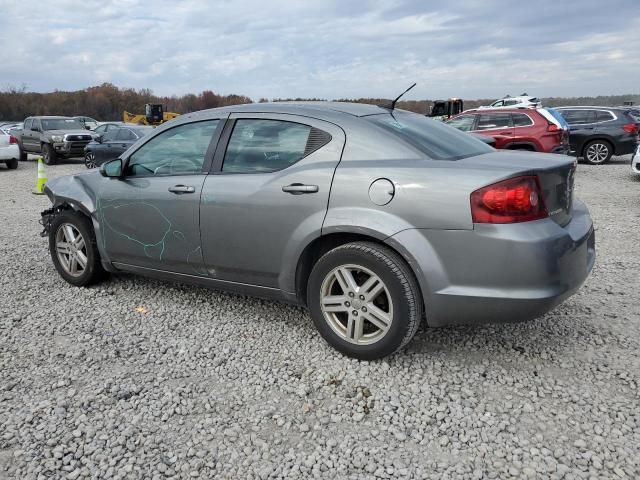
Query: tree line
x=107, y=102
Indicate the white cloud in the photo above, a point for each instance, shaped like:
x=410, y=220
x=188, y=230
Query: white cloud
x=330, y=49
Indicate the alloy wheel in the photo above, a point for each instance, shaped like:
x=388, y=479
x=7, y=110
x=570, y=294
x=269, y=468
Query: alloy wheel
x=71, y=249
x=597, y=153
x=90, y=160
x=356, y=304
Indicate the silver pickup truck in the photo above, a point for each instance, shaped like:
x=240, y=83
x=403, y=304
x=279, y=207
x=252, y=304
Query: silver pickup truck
x=53, y=137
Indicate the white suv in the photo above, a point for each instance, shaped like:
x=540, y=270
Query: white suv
x=523, y=101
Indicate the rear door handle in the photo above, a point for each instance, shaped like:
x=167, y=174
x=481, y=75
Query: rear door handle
x=299, y=188
x=180, y=189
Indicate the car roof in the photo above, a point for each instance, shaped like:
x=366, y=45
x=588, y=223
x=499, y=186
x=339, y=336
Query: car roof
x=302, y=108
x=50, y=117
x=499, y=110
x=591, y=107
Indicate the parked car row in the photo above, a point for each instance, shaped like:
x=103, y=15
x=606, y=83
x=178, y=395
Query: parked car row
x=593, y=133
x=114, y=142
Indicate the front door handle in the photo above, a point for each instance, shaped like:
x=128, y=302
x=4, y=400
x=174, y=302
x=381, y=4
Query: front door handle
x=299, y=188
x=180, y=189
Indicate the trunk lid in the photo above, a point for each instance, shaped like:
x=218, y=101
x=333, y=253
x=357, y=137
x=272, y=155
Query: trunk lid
x=555, y=172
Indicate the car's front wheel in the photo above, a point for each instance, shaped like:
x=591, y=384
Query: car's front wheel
x=90, y=160
x=597, y=152
x=364, y=300
x=49, y=154
x=73, y=249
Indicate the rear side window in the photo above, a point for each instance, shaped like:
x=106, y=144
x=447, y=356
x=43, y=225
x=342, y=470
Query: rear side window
x=521, y=120
x=125, y=134
x=433, y=138
x=488, y=121
x=604, y=116
x=578, y=117
x=260, y=146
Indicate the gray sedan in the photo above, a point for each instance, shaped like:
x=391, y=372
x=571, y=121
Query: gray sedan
x=372, y=218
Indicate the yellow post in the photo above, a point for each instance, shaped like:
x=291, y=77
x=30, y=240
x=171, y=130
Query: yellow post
x=41, y=178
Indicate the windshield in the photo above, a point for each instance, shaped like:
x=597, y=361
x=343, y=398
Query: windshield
x=433, y=138
x=61, y=124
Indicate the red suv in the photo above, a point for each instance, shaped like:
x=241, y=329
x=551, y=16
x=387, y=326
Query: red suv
x=537, y=130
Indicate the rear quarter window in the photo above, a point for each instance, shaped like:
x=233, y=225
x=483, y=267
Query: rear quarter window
x=521, y=120
x=431, y=137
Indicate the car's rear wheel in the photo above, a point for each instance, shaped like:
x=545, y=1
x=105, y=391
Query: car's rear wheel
x=49, y=154
x=364, y=300
x=90, y=160
x=73, y=249
x=12, y=164
x=597, y=152
x=23, y=155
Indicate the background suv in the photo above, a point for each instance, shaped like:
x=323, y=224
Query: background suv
x=537, y=130
x=597, y=133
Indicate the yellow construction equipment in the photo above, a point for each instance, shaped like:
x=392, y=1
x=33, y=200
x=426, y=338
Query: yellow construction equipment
x=41, y=178
x=154, y=114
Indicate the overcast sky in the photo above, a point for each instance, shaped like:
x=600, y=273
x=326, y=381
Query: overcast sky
x=326, y=48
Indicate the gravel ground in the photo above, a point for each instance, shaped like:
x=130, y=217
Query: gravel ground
x=141, y=379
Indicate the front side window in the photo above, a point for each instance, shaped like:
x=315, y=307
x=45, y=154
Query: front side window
x=489, y=121
x=508, y=103
x=463, y=123
x=258, y=146
x=177, y=151
x=435, y=139
x=27, y=124
x=499, y=103
x=110, y=135
x=100, y=129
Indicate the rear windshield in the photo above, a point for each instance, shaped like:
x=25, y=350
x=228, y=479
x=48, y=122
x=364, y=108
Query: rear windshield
x=432, y=137
x=635, y=114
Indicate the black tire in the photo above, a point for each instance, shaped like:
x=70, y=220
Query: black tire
x=49, y=154
x=402, y=287
x=23, y=155
x=597, y=152
x=93, y=272
x=12, y=164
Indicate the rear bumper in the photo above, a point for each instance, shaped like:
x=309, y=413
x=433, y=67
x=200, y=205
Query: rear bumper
x=635, y=161
x=499, y=273
x=626, y=146
x=9, y=152
x=561, y=149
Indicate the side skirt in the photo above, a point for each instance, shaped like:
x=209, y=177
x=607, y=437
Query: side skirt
x=234, y=287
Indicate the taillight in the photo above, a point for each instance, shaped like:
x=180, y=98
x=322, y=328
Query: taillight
x=552, y=127
x=630, y=128
x=510, y=201
x=12, y=140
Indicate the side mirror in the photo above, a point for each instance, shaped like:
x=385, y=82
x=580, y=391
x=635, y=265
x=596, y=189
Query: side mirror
x=87, y=127
x=98, y=138
x=112, y=169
